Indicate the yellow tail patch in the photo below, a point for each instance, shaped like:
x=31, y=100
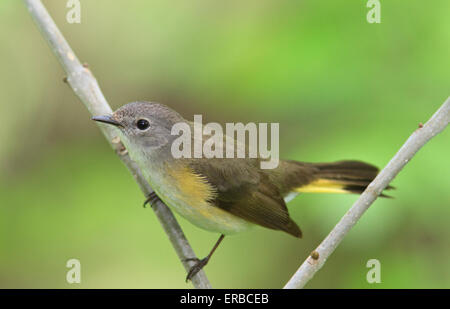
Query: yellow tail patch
x=323, y=186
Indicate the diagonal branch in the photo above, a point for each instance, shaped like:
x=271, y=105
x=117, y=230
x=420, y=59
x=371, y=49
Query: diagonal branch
x=419, y=138
x=86, y=88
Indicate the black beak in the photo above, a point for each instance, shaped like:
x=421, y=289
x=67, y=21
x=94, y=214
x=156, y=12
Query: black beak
x=108, y=120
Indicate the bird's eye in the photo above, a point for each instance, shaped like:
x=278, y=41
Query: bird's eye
x=142, y=124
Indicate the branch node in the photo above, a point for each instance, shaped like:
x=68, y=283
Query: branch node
x=315, y=255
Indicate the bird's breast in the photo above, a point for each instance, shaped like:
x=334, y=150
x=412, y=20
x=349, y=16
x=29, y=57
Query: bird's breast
x=192, y=196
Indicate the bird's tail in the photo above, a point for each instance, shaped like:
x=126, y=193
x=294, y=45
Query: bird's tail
x=340, y=177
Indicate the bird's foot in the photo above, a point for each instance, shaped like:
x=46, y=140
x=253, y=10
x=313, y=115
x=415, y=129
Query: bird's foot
x=151, y=198
x=197, y=267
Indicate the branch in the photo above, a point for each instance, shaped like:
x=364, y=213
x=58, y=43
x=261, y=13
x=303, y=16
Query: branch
x=86, y=88
x=420, y=137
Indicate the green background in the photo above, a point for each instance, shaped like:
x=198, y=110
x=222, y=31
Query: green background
x=340, y=88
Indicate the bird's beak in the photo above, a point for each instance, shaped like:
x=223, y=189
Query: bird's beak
x=108, y=120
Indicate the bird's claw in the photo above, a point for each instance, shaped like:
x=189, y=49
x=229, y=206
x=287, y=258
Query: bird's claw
x=197, y=267
x=191, y=260
x=151, y=198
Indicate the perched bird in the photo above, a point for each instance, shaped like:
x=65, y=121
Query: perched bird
x=224, y=195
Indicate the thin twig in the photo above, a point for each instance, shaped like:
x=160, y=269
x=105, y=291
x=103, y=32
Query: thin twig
x=87, y=89
x=420, y=137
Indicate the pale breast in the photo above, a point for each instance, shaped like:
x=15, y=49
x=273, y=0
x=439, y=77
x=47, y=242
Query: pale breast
x=189, y=194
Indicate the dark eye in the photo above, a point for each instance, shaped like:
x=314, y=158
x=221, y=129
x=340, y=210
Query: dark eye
x=142, y=124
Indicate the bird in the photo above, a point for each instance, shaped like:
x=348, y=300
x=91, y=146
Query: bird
x=224, y=195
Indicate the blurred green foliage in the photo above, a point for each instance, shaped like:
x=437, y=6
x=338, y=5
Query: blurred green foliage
x=340, y=88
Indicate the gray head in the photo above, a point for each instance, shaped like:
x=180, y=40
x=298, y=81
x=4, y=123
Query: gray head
x=143, y=124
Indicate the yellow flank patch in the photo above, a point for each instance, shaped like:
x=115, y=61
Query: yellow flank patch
x=194, y=188
x=323, y=186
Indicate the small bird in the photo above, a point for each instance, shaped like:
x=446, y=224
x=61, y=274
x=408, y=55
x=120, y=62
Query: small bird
x=224, y=195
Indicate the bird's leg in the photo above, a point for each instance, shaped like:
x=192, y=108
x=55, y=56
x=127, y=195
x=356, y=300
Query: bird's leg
x=201, y=263
x=151, y=198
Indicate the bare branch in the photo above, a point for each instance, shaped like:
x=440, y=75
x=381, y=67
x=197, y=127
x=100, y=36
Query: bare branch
x=420, y=137
x=87, y=89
